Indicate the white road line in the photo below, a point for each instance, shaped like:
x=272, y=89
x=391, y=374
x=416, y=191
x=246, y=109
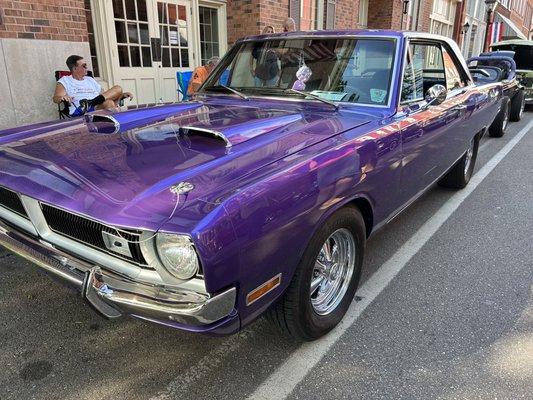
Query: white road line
x=283, y=381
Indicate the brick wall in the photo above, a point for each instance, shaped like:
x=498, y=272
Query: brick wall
x=425, y=12
x=519, y=18
x=346, y=14
x=249, y=17
x=243, y=18
x=274, y=13
x=43, y=19
x=385, y=14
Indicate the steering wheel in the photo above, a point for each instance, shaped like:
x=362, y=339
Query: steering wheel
x=352, y=93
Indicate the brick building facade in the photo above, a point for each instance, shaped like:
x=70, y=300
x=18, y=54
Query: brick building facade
x=123, y=40
x=44, y=20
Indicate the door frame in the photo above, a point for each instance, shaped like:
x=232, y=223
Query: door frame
x=106, y=52
x=220, y=6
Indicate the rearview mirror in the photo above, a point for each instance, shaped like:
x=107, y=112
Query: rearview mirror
x=436, y=95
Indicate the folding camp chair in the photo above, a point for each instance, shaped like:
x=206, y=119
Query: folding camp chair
x=183, y=79
x=63, y=108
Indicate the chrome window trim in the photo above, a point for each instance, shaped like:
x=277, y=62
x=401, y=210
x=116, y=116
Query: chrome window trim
x=430, y=37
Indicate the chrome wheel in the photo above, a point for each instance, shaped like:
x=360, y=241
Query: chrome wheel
x=333, y=271
x=469, y=154
x=505, y=121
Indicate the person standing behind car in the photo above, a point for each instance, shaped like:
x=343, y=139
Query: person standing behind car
x=266, y=67
x=266, y=72
x=289, y=25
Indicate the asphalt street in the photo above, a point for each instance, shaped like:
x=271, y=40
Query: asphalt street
x=445, y=311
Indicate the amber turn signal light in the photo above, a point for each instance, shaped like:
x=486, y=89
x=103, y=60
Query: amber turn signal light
x=262, y=290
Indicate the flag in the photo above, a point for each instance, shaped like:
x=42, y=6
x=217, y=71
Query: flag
x=496, y=32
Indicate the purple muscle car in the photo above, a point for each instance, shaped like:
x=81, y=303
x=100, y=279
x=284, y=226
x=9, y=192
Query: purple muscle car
x=259, y=194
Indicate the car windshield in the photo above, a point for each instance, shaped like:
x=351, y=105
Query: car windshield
x=523, y=56
x=334, y=69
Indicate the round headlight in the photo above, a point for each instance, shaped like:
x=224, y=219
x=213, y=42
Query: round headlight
x=177, y=255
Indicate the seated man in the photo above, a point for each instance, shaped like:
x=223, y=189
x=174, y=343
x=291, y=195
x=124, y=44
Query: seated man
x=83, y=93
x=200, y=74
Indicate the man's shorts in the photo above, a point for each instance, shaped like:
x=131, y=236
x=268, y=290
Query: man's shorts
x=79, y=112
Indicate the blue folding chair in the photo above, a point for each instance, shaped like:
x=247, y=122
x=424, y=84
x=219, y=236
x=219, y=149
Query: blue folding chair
x=183, y=79
x=224, y=77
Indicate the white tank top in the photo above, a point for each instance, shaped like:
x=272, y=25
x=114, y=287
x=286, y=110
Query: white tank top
x=87, y=88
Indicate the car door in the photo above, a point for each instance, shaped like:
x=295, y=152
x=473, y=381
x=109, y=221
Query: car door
x=460, y=105
x=427, y=130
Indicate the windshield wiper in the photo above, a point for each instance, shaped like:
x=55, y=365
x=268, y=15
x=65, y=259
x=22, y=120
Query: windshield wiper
x=241, y=95
x=314, y=96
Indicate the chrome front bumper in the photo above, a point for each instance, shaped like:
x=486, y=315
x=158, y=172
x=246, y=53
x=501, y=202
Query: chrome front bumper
x=114, y=295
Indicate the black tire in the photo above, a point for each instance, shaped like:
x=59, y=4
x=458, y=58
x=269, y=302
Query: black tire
x=517, y=106
x=294, y=314
x=460, y=174
x=498, y=127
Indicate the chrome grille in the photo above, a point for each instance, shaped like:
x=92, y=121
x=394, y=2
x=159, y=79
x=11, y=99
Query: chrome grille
x=90, y=232
x=527, y=82
x=11, y=201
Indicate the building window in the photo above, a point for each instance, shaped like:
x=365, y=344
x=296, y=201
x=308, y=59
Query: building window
x=308, y=15
x=476, y=17
x=505, y=3
x=413, y=12
x=90, y=33
x=174, y=35
x=131, y=29
x=363, y=14
x=330, y=14
x=209, y=41
x=528, y=20
x=481, y=11
x=442, y=17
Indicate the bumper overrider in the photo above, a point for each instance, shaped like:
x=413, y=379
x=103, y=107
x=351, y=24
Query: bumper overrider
x=114, y=295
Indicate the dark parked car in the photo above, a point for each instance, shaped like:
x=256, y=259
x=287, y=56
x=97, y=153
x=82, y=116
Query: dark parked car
x=523, y=56
x=499, y=66
x=256, y=196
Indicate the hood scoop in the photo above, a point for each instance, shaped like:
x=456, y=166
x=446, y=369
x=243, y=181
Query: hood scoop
x=108, y=122
x=225, y=126
x=188, y=131
x=98, y=123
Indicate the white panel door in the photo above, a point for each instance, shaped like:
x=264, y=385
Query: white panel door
x=132, y=26
x=175, y=31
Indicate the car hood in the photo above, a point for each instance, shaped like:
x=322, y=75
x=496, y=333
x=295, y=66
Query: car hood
x=120, y=168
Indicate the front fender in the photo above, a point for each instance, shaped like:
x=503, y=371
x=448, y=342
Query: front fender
x=274, y=219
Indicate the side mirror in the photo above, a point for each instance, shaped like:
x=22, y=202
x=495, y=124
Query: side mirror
x=436, y=95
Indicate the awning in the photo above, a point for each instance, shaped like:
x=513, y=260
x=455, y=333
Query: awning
x=511, y=25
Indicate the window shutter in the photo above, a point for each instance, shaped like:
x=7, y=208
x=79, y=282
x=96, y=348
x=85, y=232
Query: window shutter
x=330, y=14
x=294, y=12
